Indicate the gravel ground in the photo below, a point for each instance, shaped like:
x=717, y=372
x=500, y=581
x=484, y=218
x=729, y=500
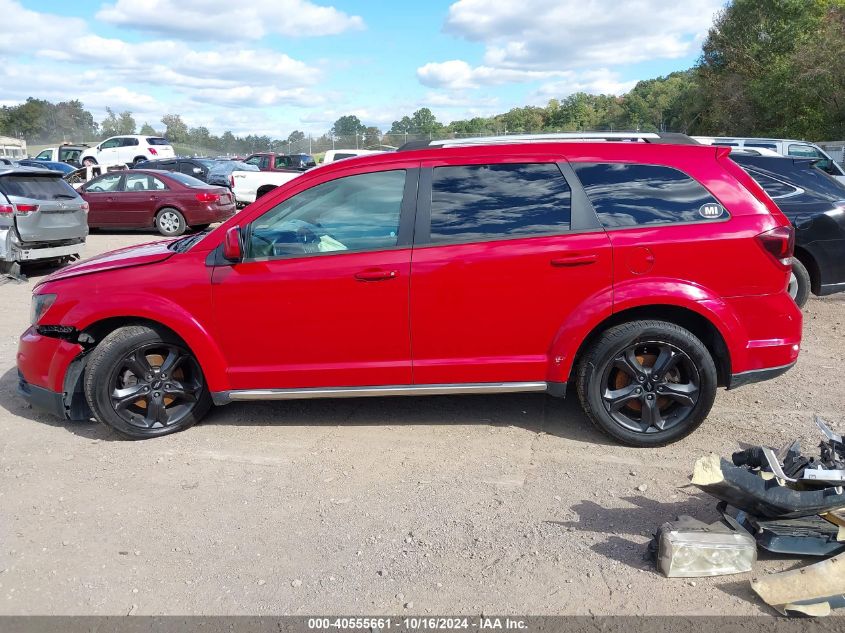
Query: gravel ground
x=510, y=504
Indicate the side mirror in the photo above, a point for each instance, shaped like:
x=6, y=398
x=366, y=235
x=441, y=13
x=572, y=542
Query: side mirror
x=232, y=250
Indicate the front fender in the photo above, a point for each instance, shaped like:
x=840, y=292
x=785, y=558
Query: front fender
x=166, y=312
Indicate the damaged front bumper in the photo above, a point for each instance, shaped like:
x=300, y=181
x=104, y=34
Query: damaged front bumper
x=760, y=495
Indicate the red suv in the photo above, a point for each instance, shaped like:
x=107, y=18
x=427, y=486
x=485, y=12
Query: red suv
x=646, y=273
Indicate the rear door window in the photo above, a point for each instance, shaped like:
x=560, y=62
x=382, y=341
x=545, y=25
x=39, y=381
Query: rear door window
x=137, y=182
x=631, y=194
x=108, y=182
x=471, y=203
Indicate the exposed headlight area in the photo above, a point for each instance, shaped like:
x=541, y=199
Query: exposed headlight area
x=40, y=304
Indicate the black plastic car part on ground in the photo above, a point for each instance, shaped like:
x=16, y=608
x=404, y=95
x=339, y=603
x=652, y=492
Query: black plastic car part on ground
x=815, y=204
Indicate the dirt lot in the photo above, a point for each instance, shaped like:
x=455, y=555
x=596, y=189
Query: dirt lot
x=508, y=504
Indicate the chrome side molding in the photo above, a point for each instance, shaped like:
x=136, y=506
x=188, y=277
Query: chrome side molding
x=223, y=397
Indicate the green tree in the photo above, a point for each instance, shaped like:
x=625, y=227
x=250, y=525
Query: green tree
x=147, y=129
x=175, y=129
x=348, y=125
x=125, y=123
x=751, y=58
x=110, y=125
x=423, y=121
x=372, y=137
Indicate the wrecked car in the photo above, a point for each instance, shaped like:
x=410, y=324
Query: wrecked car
x=42, y=218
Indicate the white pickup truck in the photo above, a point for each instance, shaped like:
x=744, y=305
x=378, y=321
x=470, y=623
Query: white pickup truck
x=248, y=186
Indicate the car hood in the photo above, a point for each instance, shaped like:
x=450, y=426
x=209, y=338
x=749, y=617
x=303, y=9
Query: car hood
x=122, y=258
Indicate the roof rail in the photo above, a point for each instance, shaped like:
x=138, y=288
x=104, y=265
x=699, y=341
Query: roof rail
x=554, y=137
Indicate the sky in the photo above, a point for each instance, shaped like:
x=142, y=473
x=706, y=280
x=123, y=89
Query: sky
x=273, y=66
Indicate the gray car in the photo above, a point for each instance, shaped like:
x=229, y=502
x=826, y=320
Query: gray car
x=41, y=217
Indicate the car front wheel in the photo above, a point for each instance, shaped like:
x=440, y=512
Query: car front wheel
x=647, y=383
x=170, y=222
x=145, y=383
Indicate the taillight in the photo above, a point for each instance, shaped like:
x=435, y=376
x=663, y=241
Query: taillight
x=153, y=151
x=231, y=181
x=7, y=209
x=84, y=207
x=780, y=244
x=26, y=209
x=208, y=197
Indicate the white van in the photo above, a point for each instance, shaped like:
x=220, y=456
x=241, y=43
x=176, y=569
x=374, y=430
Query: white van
x=784, y=147
x=127, y=150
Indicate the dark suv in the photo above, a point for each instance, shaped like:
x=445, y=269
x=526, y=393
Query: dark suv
x=815, y=204
x=489, y=268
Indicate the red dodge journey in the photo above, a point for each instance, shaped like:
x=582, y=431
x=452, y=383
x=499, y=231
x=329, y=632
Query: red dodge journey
x=644, y=271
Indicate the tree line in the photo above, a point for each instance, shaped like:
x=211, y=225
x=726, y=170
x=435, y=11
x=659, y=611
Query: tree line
x=768, y=68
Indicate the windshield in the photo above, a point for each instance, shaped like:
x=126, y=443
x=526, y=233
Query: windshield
x=157, y=141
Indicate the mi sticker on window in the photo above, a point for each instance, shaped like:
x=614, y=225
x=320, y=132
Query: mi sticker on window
x=711, y=210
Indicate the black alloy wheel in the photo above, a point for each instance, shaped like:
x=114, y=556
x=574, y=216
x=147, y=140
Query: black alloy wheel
x=647, y=383
x=144, y=383
x=650, y=387
x=156, y=385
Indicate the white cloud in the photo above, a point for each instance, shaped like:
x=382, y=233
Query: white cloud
x=217, y=20
x=20, y=28
x=601, y=81
x=457, y=74
x=559, y=34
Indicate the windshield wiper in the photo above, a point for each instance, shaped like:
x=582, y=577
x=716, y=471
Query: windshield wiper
x=183, y=244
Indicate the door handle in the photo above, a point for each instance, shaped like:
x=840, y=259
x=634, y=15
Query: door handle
x=376, y=275
x=574, y=260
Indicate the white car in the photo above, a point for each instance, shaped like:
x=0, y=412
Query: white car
x=783, y=146
x=127, y=150
x=339, y=154
x=248, y=186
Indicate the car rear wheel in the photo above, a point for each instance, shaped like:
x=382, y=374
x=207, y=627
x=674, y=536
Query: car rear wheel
x=145, y=383
x=647, y=383
x=799, y=283
x=138, y=159
x=170, y=222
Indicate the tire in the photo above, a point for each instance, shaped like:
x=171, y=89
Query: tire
x=799, y=283
x=628, y=399
x=163, y=405
x=138, y=159
x=170, y=222
x=89, y=162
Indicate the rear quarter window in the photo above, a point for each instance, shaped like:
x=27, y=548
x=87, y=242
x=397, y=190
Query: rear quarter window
x=632, y=194
x=37, y=187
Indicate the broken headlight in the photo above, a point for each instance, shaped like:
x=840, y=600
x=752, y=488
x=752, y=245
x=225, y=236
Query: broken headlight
x=688, y=548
